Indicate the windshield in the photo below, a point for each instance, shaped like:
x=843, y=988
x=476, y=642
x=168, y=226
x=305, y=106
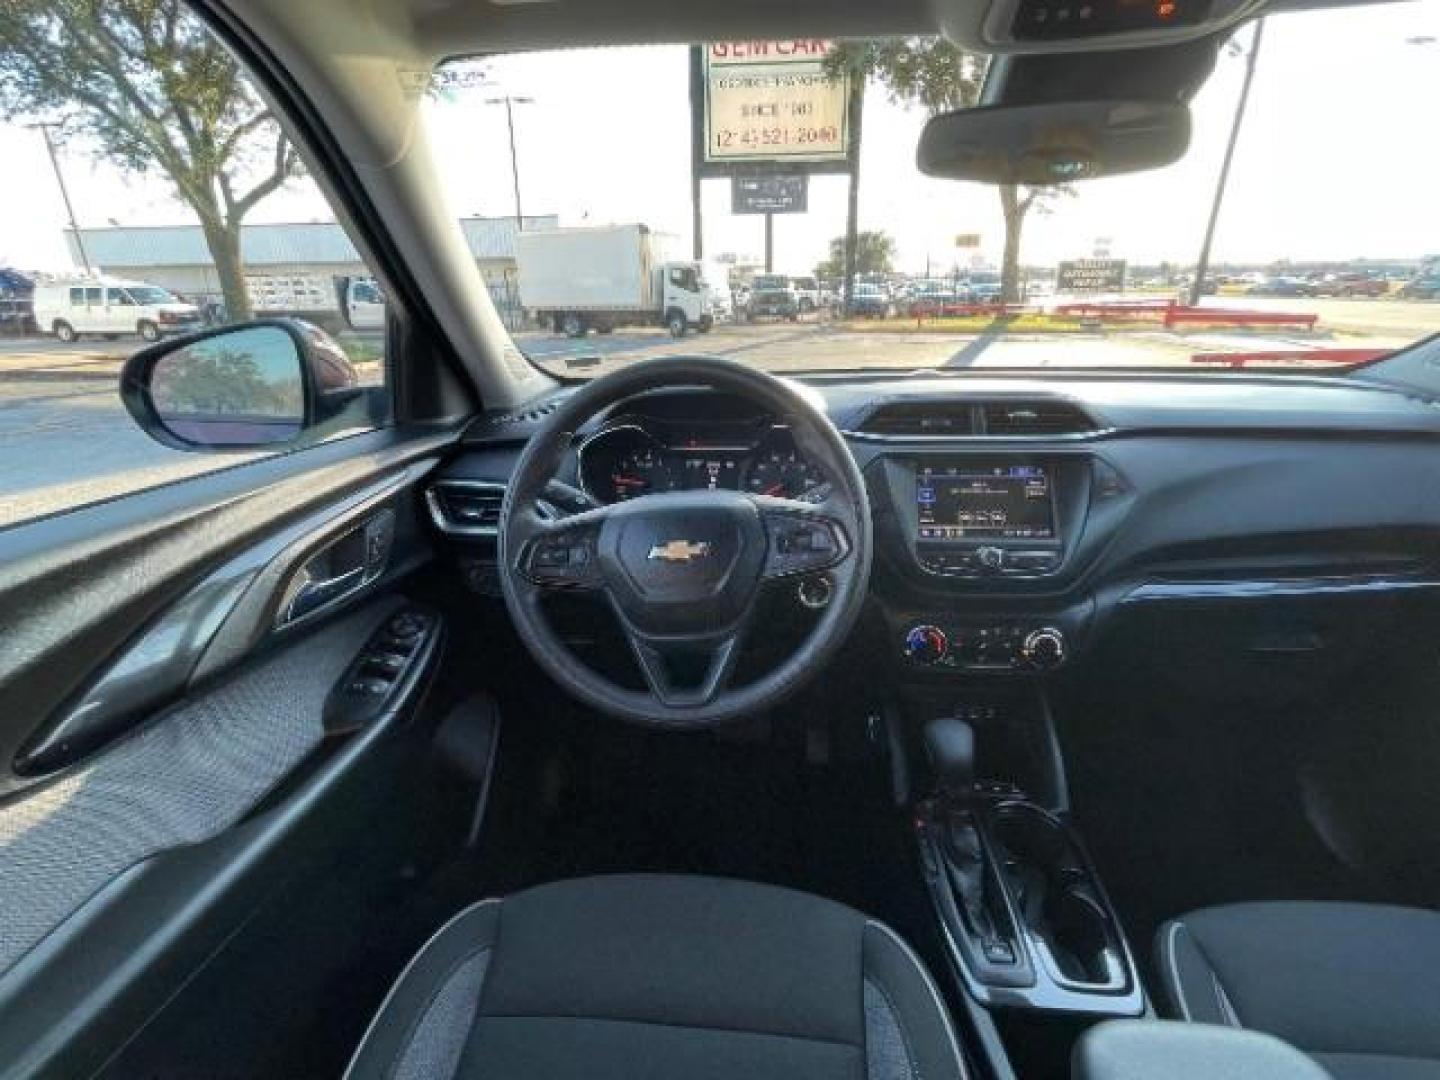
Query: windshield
x=1325, y=250
x=149, y=294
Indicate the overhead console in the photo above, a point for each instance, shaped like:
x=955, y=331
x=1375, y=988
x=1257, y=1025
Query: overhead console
x=1039, y=26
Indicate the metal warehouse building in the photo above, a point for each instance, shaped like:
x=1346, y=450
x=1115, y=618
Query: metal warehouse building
x=175, y=256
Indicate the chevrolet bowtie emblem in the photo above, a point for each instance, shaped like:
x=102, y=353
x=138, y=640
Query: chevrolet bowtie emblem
x=681, y=550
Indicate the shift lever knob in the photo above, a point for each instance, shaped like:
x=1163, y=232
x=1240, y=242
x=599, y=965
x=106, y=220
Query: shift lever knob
x=950, y=744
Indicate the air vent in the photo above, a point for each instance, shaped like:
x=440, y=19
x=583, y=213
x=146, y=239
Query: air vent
x=466, y=507
x=531, y=415
x=923, y=418
x=510, y=425
x=1035, y=418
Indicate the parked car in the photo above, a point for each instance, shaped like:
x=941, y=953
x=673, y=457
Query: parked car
x=110, y=307
x=932, y=298
x=985, y=286
x=871, y=302
x=808, y=295
x=1208, y=287
x=1281, y=286
x=1424, y=287
x=771, y=297
x=1350, y=284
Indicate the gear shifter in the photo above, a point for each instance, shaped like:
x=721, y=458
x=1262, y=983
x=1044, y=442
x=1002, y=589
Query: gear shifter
x=950, y=744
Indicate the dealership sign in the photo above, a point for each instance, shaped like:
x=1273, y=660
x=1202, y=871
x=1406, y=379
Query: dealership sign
x=769, y=194
x=1091, y=275
x=773, y=102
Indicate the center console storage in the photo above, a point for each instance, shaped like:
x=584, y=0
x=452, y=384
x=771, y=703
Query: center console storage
x=1141, y=1050
x=1024, y=911
x=1020, y=904
x=1057, y=898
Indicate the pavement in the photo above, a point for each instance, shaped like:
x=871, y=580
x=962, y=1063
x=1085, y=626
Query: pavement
x=65, y=439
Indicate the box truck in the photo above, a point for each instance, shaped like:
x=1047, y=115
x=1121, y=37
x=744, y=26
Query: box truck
x=578, y=280
x=333, y=302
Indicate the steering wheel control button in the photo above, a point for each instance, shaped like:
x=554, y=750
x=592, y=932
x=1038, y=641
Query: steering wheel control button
x=564, y=559
x=926, y=644
x=801, y=545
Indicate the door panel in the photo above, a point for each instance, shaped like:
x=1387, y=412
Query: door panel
x=80, y=588
x=185, y=778
x=233, y=751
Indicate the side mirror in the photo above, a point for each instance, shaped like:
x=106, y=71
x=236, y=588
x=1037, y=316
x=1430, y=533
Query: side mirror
x=1053, y=143
x=256, y=384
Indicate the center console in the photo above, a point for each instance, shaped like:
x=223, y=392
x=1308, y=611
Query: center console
x=983, y=593
x=1021, y=906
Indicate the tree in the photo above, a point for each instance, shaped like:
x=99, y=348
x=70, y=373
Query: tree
x=145, y=85
x=200, y=381
x=939, y=76
x=874, y=254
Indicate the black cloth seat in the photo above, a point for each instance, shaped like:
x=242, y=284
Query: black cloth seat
x=650, y=976
x=1356, y=986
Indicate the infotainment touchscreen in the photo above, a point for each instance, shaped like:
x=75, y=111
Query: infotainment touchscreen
x=990, y=502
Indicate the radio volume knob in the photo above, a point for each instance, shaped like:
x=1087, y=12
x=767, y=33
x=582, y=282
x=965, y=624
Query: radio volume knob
x=926, y=644
x=1044, y=649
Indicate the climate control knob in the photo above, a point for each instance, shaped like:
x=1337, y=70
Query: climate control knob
x=1044, y=649
x=926, y=644
x=990, y=558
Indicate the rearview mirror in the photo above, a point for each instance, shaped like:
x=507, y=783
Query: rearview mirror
x=239, y=387
x=1053, y=143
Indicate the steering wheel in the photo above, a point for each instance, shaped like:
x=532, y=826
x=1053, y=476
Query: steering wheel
x=682, y=571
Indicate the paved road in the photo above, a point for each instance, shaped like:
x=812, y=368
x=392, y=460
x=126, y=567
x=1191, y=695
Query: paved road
x=65, y=439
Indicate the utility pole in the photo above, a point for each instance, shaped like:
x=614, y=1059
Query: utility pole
x=1202, y=266
x=852, y=207
x=769, y=242
x=65, y=195
x=697, y=150
x=510, y=101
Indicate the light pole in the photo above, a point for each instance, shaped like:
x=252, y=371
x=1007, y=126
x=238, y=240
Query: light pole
x=1202, y=267
x=510, y=101
x=44, y=130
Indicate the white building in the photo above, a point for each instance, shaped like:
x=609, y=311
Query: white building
x=175, y=256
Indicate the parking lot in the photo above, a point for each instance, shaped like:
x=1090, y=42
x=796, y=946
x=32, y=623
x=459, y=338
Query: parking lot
x=65, y=439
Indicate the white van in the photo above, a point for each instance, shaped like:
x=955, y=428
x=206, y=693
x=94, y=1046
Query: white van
x=110, y=306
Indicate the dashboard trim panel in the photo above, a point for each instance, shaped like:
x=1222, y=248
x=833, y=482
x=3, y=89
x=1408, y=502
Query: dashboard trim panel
x=1268, y=588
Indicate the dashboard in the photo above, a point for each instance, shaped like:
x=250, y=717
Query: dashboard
x=639, y=455
x=1017, y=518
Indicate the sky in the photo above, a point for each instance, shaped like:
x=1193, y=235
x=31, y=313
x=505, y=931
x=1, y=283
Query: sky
x=1338, y=159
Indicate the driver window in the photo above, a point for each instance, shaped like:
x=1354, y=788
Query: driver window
x=121, y=298
x=683, y=277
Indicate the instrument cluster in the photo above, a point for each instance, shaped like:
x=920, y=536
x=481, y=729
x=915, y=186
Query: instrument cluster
x=628, y=460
